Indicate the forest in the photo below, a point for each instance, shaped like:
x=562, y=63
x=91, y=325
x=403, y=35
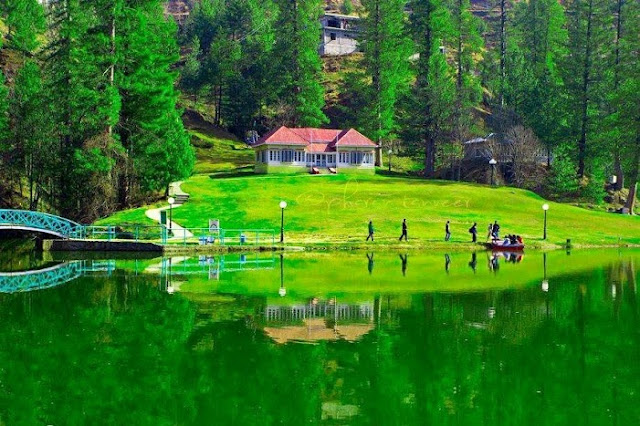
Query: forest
x=90, y=111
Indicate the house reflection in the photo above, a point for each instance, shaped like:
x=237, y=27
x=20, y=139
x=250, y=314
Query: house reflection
x=318, y=320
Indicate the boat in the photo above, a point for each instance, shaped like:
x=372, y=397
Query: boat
x=499, y=245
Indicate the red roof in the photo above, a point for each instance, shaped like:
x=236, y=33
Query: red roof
x=321, y=147
x=311, y=136
x=354, y=138
x=281, y=136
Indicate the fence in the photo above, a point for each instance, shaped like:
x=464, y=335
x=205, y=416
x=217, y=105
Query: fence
x=181, y=236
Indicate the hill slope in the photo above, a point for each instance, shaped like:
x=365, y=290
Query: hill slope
x=337, y=208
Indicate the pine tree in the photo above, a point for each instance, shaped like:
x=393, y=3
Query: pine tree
x=386, y=50
x=626, y=96
x=31, y=131
x=467, y=46
x=589, y=39
x=149, y=127
x=79, y=91
x=25, y=21
x=297, y=48
x=432, y=106
x=540, y=38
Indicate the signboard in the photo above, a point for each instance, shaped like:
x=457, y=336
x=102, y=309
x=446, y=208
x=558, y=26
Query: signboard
x=214, y=225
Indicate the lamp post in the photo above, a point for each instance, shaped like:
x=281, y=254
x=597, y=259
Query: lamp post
x=390, y=152
x=545, y=207
x=283, y=205
x=282, y=291
x=493, y=163
x=171, y=202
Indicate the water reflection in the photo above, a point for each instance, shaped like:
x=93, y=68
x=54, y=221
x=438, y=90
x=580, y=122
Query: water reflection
x=341, y=346
x=403, y=259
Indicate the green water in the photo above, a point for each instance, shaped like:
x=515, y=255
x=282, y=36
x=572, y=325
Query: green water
x=336, y=338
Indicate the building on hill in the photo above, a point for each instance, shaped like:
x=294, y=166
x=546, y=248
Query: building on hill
x=339, y=34
x=308, y=149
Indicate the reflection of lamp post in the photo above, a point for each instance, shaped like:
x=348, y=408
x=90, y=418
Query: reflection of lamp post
x=545, y=283
x=390, y=152
x=493, y=163
x=283, y=205
x=545, y=207
x=282, y=291
x=171, y=202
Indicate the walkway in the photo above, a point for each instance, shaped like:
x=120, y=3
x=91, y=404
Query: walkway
x=154, y=214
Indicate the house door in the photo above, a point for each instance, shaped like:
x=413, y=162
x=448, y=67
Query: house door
x=323, y=160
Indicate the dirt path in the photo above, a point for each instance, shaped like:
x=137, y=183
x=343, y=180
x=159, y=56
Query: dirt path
x=154, y=214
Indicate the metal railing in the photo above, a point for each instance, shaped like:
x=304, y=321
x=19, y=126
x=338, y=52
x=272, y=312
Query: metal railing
x=222, y=237
x=182, y=236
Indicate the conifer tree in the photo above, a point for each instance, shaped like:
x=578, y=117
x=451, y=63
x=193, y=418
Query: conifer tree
x=432, y=106
x=540, y=37
x=149, y=127
x=467, y=46
x=25, y=21
x=300, y=64
x=386, y=50
x=626, y=96
x=589, y=40
x=31, y=131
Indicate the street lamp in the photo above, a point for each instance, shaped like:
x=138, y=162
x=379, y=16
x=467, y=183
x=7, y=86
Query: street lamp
x=390, y=152
x=545, y=207
x=282, y=291
x=171, y=202
x=493, y=163
x=283, y=205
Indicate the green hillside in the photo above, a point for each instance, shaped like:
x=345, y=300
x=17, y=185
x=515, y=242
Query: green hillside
x=336, y=209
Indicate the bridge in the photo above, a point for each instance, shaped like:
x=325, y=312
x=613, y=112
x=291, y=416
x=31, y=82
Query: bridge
x=40, y=279
x=27, y=220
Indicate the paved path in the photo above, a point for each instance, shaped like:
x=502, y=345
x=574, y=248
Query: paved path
x=154, y=214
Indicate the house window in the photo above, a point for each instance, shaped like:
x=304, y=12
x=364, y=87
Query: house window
x=270, y=155
x=332, y=36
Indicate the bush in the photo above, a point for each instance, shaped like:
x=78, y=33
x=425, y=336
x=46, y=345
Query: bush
x=562, y=181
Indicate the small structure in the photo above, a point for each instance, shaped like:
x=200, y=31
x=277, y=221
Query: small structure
x=339, y=34
x=504, y=150
x=306, y=149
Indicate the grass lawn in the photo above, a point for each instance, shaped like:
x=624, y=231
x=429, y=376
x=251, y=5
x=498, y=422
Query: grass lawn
x=331, y=209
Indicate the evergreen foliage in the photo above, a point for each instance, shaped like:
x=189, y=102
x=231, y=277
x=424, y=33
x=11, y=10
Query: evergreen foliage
x=387, y=49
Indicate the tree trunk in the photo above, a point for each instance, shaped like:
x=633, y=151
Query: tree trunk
x=586, y=77
x=503, y=48
x=619, y=173
x=633, y=179
x=429, y=155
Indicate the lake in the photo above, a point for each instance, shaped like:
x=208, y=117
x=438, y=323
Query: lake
x=337, y=338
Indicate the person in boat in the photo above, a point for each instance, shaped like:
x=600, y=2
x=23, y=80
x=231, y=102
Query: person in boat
x=512, y=239
x=519, y=238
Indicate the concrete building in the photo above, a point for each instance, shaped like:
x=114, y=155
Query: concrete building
x=314, y=150
x=339, y=34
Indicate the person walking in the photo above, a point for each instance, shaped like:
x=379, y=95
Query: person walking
x=474, y=232
x=447, y=232
x=490, y=231
x=404, y=230
x=371, y=230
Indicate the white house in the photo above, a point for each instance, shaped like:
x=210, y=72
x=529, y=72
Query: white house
x=308, y=149
x=339, y=34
